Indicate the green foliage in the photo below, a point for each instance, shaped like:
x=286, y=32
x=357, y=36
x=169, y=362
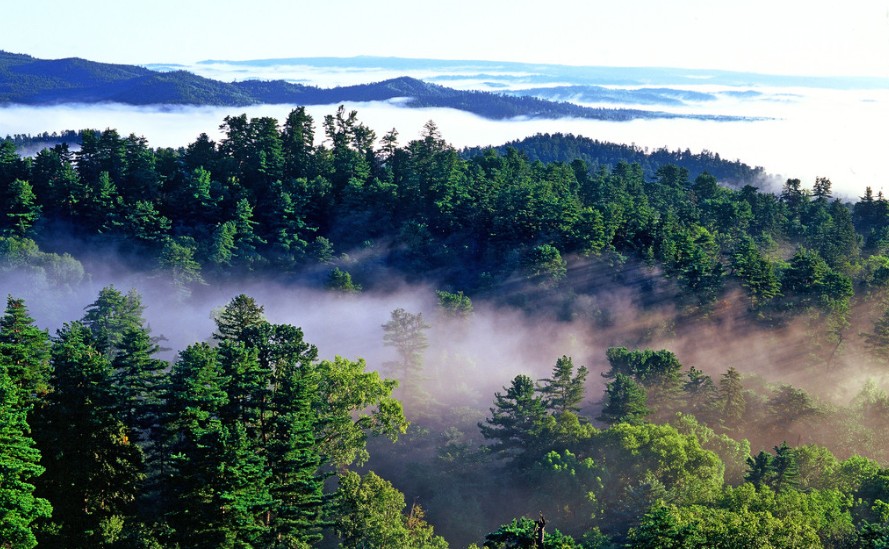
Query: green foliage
x=454, y=304
x=516, y=423
x=93, y=470
x=565, y=390
x=25, y=352
x=19, y=464
x=370, y=513
x=524, y=533
x=239, y=314
x=339, y=280
x=625, y=402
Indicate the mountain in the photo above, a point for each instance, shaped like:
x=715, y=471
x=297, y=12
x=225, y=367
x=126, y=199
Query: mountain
x=27, y=80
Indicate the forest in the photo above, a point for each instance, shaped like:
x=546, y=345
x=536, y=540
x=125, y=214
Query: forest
x=722, y=382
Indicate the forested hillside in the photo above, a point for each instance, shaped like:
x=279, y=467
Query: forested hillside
x=29, y=81
x=728, y=390
x=568, y=148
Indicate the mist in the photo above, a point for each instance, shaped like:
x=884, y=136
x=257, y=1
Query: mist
x=468, y=359
x=800, y=134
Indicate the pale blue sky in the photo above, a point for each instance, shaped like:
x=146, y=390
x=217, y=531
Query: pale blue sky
x=811, y=37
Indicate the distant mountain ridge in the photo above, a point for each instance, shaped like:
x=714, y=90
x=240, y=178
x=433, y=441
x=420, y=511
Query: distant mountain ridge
x=31, y=81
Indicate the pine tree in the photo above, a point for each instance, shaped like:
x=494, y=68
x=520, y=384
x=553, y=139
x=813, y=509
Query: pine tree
x=110, y=316
x=564, y=391
x=25, y=350
x=19, y=466
x=295, y=485
x=517, y=420
x=93, y=469
x=732, y=402
x=625, y=402
x=216, y=490
x=241, y=312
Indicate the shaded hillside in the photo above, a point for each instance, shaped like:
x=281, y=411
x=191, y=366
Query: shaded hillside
x=30, y=81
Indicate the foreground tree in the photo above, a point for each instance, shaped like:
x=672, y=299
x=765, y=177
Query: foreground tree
x=93, y=469
x=369, y=514
x=19, y=466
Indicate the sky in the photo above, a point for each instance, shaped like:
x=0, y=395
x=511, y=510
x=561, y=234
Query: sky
x=813, y=37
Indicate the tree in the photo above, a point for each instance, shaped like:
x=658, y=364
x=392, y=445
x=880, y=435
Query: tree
x=111, y=316
x=517, y=421
x=662, y=527
x=625, y=402
x=701, y=394
x=239, y=314
x=298, y=138
x=545, y=264
x=564, y=391
x=759, y=469
x=658, y=372
x=177, y=259
x=24, y=349
x=351, y=404
x=785, y=468
x=19, y=466
x=341, y=281
x=732, y=402
x=406, y=332
x=369, y=514
x=20, y=209
x=217, y=486
x=454, y=304
x=93, y=470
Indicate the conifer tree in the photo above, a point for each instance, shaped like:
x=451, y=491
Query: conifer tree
x=25, y=350
x=216, y=490
x=19, y=466
x=564, y=391
x=241, y=312
x=111, y=315
x=93, y=468
x=625, y=401
x=516, y=423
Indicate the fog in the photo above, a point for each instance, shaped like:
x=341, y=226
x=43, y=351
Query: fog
x=469, y=359
x=799, y=133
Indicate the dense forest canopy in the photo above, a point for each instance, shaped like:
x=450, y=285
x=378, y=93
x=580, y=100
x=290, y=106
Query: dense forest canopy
x=721, y=316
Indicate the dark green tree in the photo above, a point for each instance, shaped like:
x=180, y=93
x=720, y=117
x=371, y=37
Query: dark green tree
x=20, y=209
x=19, y=466
x=93, y=468
x=240, y=313
x=517, y=423
x=564, y=391
x=24, y=349
x=216, y=490
x=732, y=403
x=111, y=316
x=625, y=402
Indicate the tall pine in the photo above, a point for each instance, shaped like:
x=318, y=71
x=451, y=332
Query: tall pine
x=19, y=466
x=93, y=468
